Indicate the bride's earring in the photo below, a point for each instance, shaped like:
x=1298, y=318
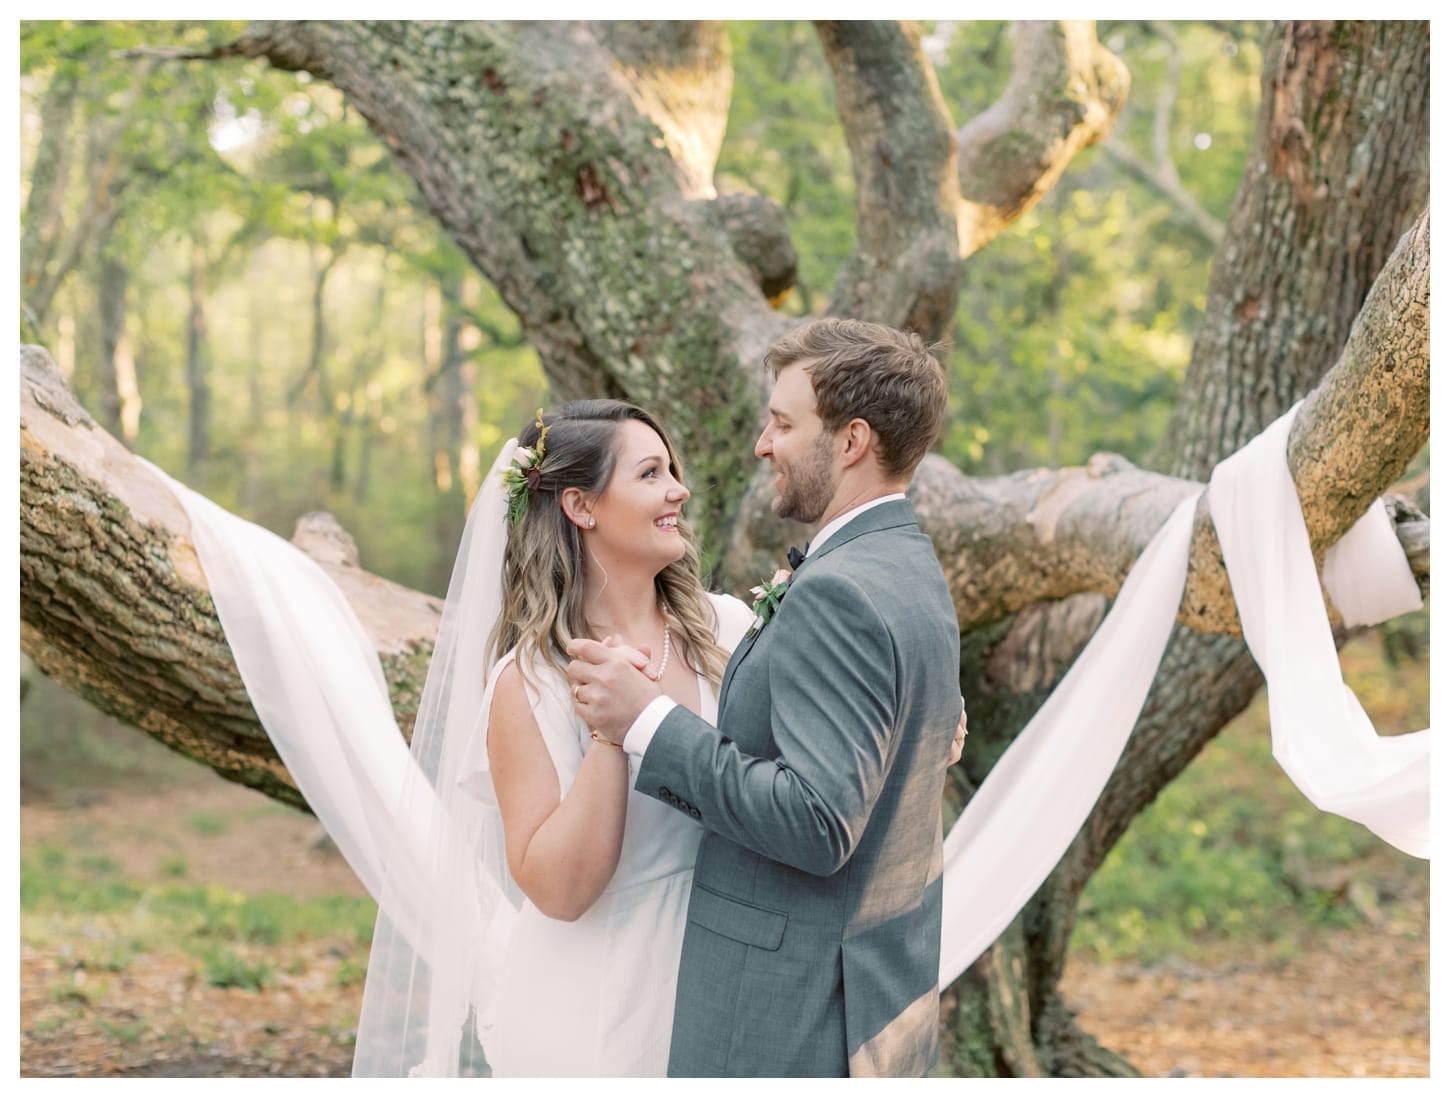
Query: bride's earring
x=591, y=522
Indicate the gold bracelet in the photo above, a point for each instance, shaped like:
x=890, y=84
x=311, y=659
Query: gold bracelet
x=597, y=738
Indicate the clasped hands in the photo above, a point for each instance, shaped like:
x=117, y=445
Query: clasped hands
x=610, y=688
x=609, y=685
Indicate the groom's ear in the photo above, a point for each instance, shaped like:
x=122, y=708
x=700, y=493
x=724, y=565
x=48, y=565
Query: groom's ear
x=859, y=439
x=576, y=507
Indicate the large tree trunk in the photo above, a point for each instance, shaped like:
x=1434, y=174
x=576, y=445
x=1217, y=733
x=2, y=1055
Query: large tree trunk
x=1304, y=242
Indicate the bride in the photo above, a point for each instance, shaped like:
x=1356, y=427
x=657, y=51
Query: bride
x=596, y=546
x=530, y=898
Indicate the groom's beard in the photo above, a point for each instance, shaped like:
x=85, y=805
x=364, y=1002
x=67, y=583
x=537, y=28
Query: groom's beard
x=808, y=488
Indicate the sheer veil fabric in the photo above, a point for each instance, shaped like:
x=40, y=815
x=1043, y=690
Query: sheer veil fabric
x=431, y=853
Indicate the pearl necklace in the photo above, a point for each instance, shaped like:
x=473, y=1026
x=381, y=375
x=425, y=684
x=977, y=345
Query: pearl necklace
x=664, y=658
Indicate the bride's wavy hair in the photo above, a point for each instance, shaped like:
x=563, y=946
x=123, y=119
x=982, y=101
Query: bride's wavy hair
x=544, y=556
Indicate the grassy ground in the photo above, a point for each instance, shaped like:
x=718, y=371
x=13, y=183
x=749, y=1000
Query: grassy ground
x=175, y=924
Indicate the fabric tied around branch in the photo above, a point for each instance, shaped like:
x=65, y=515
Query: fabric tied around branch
x=432, y=856
x=1054, y=771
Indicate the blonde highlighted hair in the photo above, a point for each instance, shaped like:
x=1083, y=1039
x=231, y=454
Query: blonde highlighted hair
x=543, y=567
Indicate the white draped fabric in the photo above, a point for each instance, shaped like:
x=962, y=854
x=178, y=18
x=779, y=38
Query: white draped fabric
x=1321, y=735
x=317, y=686
x=1021, y=821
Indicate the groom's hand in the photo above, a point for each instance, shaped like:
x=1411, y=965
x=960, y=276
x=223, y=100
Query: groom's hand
x=959, y=738
x=609, y=686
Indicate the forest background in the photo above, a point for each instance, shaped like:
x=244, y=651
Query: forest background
x=239, y=283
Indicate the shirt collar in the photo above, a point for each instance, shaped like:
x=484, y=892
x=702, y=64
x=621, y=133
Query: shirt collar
x=839, y=521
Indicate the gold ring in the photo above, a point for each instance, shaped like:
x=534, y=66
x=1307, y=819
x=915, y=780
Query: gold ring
x=576, y=695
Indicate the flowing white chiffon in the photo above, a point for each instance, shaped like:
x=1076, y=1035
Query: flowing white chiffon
x=425, y=845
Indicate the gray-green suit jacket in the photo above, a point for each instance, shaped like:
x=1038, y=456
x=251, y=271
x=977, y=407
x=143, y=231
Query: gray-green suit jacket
x=814, y=928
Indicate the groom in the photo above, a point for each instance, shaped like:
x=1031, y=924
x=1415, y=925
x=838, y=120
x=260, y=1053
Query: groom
x=815, y=918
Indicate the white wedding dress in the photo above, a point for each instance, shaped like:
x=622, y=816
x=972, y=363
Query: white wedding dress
x=595, y=997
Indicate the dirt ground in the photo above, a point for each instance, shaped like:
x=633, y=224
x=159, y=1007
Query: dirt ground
x=1350, y=1003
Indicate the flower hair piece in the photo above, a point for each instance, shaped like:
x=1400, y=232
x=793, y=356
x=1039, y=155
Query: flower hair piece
x=523, y=472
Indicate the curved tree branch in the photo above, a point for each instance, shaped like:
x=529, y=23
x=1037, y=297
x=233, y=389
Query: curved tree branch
x=679, y=74
x=1065, y=92
x=905, y=268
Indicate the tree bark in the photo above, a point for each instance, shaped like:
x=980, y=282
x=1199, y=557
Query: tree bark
x=1065, y=93
x=904, y=271
x=115, y=604
x=1338, y=172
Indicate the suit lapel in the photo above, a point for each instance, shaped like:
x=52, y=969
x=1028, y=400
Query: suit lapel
x=741, y=650
x=885, y=516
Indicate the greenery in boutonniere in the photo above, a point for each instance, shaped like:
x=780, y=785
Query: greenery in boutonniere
x=767, y=598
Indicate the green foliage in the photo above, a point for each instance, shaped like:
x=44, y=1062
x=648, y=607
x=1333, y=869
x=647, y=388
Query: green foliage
x=45, y=887
x=195, y=917
x=207, y=823
x=1074, y=328
x=1231, y=851
x=224, y=968
x=309, y=238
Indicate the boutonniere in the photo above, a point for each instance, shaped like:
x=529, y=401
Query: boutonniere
x=767, y=598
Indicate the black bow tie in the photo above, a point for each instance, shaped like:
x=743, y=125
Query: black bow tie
x=794, y=556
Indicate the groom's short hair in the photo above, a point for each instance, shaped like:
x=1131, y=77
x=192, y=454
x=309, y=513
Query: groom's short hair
x=883, y=375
